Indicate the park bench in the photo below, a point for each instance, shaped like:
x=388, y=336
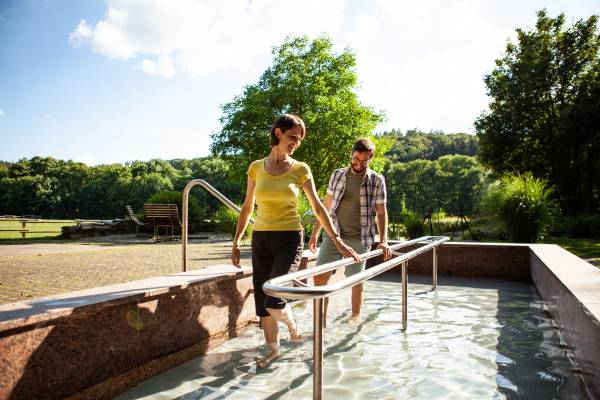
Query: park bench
x=131, y=216
x=162, y=215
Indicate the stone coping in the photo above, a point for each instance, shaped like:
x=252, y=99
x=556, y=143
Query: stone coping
x=579, y=277
x=17, y=315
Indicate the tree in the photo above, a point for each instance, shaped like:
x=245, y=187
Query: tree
x=544, y=115
x=416, y=144
x=309, y=80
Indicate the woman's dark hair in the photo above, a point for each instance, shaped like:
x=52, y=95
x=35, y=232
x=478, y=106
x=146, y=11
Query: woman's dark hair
x=285, y=123
x=362, y=145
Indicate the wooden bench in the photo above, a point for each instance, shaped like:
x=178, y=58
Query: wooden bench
x=162, y=215
x=131, y=216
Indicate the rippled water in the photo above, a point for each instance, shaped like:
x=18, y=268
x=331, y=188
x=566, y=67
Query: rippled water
x=475, y=339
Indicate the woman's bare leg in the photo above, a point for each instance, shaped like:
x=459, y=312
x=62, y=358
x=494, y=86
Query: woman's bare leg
x=285, y=315
x=271, y=332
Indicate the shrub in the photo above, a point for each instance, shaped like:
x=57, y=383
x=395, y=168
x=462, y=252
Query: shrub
x=524, y=205
x=173, y=197
x=414, y=225
x=396, y=231
x=226, y=221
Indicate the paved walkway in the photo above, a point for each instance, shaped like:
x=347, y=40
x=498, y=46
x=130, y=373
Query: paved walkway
x=37, y=270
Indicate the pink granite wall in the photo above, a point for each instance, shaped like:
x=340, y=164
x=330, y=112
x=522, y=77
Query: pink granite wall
x=473, y=260
x=102, y=349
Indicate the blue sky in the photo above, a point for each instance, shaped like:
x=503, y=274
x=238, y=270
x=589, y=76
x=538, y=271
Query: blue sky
x=119, y=80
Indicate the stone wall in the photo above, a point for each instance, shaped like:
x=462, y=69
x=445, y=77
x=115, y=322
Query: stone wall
x=100, y=342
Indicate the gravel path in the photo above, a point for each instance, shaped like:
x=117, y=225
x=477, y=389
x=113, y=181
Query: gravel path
x=49, y=269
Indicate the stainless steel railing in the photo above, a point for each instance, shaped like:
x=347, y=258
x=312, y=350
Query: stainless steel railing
x=184, y=223
x=283, y=287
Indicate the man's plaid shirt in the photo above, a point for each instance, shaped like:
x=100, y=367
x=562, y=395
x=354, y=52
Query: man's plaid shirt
x=372, y=191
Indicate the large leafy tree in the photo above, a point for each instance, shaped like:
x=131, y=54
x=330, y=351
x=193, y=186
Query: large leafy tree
x=308, y=79
x=544, y=114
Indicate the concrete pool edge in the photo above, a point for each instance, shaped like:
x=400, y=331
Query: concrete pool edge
x=570, y=288
x=94, y=344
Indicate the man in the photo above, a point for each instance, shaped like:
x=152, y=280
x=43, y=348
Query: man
x=355, y=195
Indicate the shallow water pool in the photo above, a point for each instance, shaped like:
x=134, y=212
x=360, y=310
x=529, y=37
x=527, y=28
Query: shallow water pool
x=470, y=339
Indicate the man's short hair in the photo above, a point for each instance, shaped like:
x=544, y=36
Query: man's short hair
x=362, y=145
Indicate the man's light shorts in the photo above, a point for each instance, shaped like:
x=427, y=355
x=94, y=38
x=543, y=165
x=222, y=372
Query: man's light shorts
x=328, y=253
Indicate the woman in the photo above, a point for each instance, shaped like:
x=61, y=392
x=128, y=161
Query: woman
x=277, y=237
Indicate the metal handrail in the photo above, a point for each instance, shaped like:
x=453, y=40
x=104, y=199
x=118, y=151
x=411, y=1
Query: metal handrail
x=184, y=223
x=282, y=287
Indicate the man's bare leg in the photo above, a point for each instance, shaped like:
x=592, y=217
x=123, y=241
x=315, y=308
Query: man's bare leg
x=357, y=299
x=271, y=332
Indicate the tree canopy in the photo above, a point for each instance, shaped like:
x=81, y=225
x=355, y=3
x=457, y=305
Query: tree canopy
x=544, y=115
x=54, y=188
x=416, y=144
x=308, y=79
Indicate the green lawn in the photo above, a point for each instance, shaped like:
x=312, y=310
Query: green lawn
x=47, y=228
x=588, y=249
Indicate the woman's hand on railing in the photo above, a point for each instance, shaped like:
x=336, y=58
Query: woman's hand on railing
x=235, y=255
x=346, y=250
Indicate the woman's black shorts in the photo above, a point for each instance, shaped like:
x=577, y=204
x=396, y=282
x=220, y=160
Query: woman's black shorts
x=274, y=253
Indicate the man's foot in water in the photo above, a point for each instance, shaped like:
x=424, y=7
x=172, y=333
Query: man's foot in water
x=354, y=319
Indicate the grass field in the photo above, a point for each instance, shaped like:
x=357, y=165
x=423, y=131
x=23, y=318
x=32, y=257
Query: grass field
x=588, y=249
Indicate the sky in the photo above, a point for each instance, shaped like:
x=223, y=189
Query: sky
x=103, y=81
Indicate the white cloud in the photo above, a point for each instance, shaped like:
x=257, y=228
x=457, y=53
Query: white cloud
x=1, y=112
x=423, y=62
x=199, y=37
x=162, y=67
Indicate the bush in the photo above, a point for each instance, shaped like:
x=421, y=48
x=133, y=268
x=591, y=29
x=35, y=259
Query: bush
x=396, y=231
x=172, y=197
x=414, y=225
x=226, y=221
x=525, y=206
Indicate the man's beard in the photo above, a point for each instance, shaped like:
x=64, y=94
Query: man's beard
x=359, y=171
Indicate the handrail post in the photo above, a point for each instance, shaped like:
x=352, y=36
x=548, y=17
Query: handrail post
x=404, y=295
x=318, y=348
x=435, y=268
x=184, y=227
x=184, y=213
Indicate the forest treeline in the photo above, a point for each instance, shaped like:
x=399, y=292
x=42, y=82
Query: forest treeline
x=53, y=188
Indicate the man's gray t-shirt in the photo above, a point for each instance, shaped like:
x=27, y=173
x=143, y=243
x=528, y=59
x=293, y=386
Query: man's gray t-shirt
x=348, y=211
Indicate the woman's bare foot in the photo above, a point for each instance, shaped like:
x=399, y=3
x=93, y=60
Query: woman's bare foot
x=273, y=354
x=288, y=319
x=265, y=361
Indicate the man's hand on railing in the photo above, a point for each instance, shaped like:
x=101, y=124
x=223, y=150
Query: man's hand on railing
x=387, y=254
x=235, y=255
